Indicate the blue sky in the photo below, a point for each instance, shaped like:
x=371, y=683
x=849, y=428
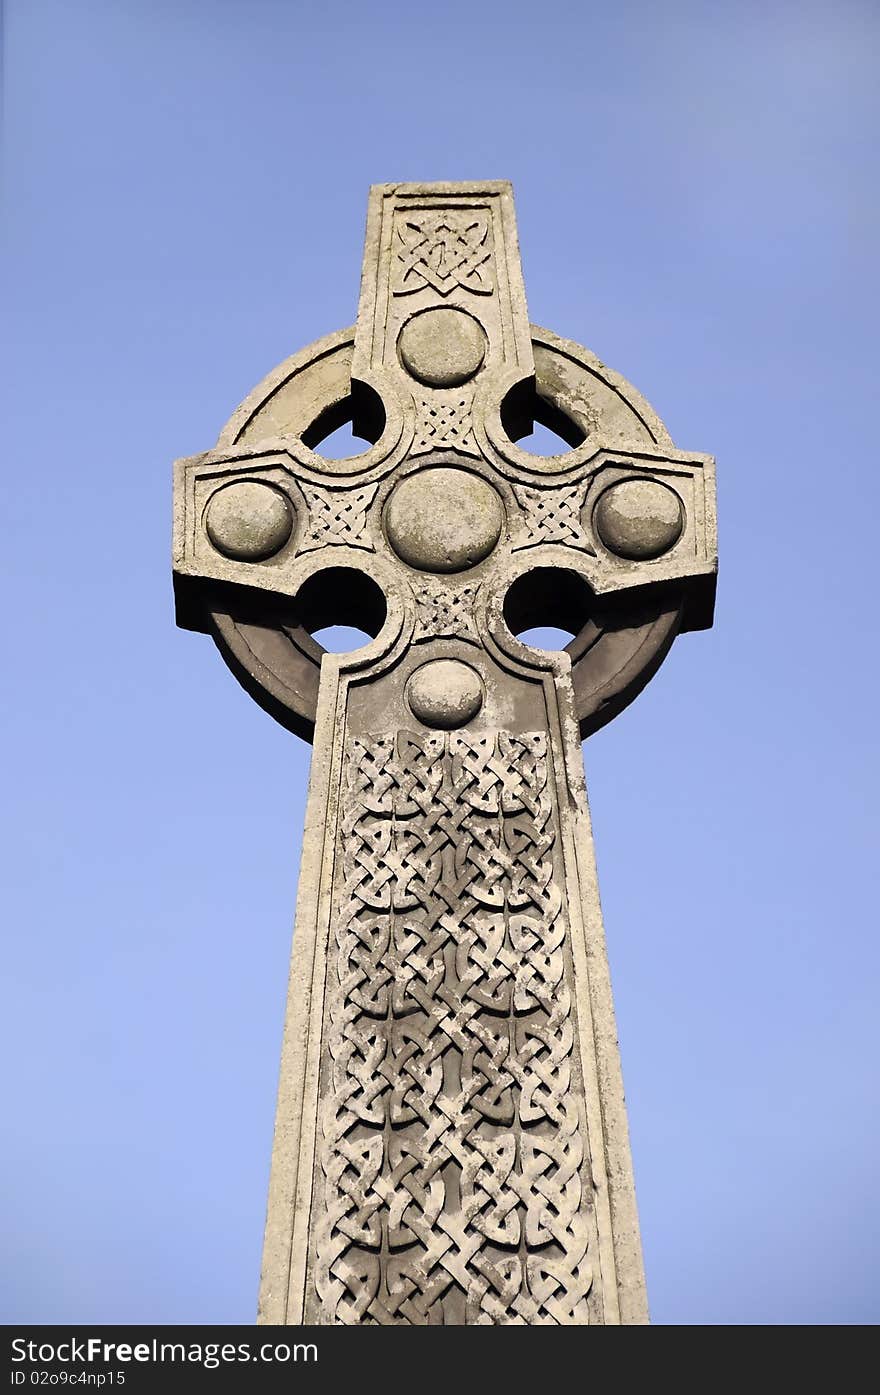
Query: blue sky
x=185, y=189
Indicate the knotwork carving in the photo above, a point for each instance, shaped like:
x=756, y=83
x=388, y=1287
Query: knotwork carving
x=455, y=1182
x=337, y=516
x=445, y=420
x=445, y=251
x=553, y=516
x=442, y=612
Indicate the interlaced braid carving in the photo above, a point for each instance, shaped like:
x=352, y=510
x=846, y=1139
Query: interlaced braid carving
x=552, y=516
x=445, y=420
x=445, y=250
x=455, y=1183
x=337, y=516
x=442, y=611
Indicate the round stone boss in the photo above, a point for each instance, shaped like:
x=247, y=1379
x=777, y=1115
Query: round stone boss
x=639, y=519
x=442, y=347
x=248, y=520
x=443, y=519
x=445, y=693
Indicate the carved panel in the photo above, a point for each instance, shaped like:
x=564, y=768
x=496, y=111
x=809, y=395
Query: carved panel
x=444, y=612
x=337, y=517
x=552, y=516
x=447, y=250
x=444, y=420
x=454, y=1184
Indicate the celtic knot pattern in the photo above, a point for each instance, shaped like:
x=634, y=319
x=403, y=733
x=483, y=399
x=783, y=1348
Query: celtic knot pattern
x=553, y=516
x=442, y=612
x=337, y=517
x=445, y=251
x=456, y=1186
x=444, y=419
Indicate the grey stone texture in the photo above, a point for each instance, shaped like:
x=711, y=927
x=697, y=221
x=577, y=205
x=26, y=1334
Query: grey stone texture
x=451, y=1140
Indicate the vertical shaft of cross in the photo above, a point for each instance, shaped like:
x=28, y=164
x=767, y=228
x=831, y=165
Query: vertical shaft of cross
x=451, y=1142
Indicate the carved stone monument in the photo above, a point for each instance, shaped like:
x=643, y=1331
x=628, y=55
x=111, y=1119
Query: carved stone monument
x=451, y=1141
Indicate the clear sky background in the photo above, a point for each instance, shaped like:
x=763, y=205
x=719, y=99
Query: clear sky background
x=185, y=189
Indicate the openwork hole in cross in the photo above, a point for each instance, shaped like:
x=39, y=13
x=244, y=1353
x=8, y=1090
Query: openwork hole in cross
x=547, y=606
x=347, y=427
x=554, y=431
x=342, y=608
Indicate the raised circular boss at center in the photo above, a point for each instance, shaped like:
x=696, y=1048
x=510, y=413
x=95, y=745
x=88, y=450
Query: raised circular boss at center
x=442, y=519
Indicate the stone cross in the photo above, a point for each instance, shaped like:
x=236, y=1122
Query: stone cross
x=451, y=1140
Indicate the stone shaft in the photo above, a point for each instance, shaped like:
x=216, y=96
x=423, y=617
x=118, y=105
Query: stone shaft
x=451, y=1142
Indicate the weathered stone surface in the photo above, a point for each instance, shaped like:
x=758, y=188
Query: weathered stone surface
x=444, y=693
x=443, y=520
x=639, y=519
x=442, y=347
x=248, y=520
x=451, y=1141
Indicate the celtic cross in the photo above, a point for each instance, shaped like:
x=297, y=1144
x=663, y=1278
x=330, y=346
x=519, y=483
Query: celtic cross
x=451, y=1141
